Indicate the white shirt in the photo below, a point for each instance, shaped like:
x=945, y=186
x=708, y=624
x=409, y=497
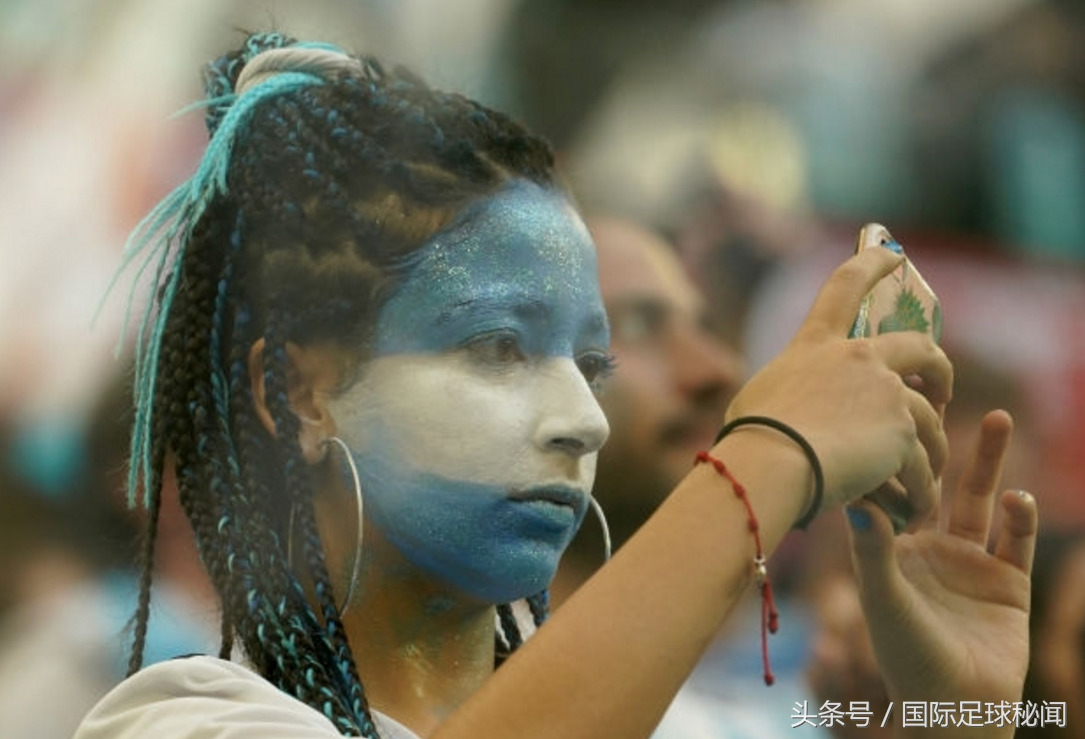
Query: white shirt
x=210, y=698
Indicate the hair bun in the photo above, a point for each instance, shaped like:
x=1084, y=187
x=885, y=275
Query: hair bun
x=322, y=61
x=221, y=75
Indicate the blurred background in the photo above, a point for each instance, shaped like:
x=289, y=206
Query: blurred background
x=757, y=135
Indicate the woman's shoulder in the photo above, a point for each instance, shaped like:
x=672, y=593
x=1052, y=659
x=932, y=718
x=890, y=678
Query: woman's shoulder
x=170, y=699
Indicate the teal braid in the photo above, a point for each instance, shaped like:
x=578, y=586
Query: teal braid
x=168, y=228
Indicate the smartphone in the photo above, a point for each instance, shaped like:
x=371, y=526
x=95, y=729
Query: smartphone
x=901, y=301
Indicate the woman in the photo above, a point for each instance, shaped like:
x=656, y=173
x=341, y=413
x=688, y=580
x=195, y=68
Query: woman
x=371, y=369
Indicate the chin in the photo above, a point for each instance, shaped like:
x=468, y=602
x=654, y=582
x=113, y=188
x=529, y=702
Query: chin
x=498, y=593
x=676, y=464
x=509, y=580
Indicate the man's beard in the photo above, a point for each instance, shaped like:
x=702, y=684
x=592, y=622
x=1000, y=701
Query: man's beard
x=629, y=494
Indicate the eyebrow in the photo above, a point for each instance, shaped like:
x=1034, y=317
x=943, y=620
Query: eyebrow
x=521, y=306
x=639, y=305
x=650, y=301
x=655, y=309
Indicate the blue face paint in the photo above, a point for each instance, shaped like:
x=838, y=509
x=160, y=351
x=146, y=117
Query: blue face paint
x=474, y=426
x=523, y=251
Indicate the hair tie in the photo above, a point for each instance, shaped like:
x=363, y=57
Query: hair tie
x=320, y=60
x=815, y=464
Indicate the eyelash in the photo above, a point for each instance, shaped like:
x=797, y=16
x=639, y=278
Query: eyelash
x=596, y=367
x=497, y=348
x=501, y=348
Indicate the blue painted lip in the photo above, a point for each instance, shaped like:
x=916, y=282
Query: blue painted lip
x=554, y=496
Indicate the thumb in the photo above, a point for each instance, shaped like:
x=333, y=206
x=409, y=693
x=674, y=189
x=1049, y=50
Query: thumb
x=873, y=553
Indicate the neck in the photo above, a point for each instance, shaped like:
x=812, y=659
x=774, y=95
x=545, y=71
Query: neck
x=421, y=651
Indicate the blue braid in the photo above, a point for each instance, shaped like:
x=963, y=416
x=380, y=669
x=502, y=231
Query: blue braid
x=539, y=603
x=260, y=42
x=167, y=229
x=333, y=642
x=220, y=386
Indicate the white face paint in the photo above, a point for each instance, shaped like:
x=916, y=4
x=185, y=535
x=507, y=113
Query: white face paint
x=475, y=428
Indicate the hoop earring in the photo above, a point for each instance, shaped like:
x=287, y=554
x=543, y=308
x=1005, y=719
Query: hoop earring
x=603, y=524
x=357, y=567
x=356, y=480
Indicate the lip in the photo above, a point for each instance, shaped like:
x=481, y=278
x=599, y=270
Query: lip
x=562, y=495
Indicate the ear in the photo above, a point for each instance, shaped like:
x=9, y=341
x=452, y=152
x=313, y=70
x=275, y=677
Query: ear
x=311, y=376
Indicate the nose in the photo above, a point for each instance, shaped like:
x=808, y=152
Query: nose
x=571, y=420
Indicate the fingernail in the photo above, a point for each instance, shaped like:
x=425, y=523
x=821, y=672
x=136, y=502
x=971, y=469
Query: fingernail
x=894, y=246
x=858, y=518
x=1023, y=494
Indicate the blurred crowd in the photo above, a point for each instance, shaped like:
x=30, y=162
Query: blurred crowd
x=754, y=137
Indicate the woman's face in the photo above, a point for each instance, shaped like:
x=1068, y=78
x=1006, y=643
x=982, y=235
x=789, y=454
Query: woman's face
x=475, y=427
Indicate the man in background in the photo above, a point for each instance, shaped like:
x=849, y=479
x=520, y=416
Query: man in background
x=666, y=400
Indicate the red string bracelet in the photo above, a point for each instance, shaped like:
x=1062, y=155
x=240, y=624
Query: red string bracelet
x=770, y=618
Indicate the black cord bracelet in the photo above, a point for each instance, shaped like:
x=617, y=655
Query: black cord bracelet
x=795, y=436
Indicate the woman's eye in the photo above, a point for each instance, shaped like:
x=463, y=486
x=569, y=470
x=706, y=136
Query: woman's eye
x=500, y=348
x=596, y=367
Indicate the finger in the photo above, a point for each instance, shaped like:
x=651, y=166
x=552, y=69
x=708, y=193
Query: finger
x=1017, y=538
x=930, y=431
x=892, y=499
x=911, y=499
x=920, y=484
x=837, y=304
x=974, y=500
x=914, y=356
x=874, y=556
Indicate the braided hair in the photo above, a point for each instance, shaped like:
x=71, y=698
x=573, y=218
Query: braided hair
x=324, y=173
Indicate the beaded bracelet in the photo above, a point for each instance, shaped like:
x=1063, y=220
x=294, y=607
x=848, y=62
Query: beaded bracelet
x=815, y=464
x=769, y=616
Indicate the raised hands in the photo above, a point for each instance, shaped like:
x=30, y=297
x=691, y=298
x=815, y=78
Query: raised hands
x=948, y=616
x=946, y=607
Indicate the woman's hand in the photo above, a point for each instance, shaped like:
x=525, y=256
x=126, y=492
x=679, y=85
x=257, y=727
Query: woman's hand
x=856, y=400
x=947, y=615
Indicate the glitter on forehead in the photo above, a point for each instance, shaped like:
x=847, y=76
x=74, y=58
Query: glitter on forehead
x=522, y=211
x=524, y=243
